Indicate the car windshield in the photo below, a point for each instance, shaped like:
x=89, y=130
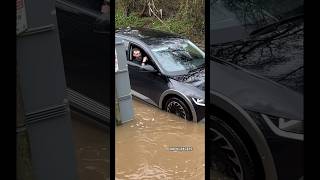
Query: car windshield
x=239, y=18
x=178, y=56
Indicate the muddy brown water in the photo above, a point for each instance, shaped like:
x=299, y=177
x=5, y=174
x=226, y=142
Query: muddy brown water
x=159, y=145
x=91, y=148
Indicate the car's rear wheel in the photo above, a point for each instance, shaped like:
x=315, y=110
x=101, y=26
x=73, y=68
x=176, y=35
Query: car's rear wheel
x=229, y=155
x=176, y=106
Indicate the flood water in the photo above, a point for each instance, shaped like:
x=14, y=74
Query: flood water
x=91, y=147
x=159, y=145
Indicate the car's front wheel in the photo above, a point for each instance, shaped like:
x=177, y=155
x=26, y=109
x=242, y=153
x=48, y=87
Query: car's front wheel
x=176, y=106
x=230, y=157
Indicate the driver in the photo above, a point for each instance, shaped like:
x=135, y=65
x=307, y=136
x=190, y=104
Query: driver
x=137, y=56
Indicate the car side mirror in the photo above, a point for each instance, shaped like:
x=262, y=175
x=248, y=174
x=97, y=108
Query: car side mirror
x=148, y=68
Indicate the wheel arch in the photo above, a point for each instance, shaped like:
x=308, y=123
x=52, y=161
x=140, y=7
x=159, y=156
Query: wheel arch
x=171, y=92
x=248, y=125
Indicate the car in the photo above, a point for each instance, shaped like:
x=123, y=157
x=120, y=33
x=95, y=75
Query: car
x=173, y=77
x=256, y=124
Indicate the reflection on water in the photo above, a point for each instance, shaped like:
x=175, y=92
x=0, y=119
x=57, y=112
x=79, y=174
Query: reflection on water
x=91, y=148
x=145, y=147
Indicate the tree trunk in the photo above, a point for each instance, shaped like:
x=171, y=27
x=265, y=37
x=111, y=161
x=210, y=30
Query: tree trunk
x=145, y=5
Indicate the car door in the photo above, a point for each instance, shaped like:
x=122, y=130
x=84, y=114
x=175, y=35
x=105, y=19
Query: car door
x=147, y=85
x=85, y=46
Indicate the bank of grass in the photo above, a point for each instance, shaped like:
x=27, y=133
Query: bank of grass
x=182, y=27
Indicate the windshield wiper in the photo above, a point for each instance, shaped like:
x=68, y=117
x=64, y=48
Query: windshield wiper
x=183, y=57
x=274, y=26
x=187, y=75
x=179, y=55
x=172, y=50
x=197, y=68
x=175, y=49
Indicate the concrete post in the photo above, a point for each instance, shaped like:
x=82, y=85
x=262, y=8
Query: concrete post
x=123, y=88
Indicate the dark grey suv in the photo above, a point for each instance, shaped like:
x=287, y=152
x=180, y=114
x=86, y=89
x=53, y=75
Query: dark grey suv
x=256, y=125
x=173, y=77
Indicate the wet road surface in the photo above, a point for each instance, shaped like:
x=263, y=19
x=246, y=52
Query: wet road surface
x=91, y=146
x=159, y=145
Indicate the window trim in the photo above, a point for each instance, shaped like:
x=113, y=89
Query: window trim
x=154, y=65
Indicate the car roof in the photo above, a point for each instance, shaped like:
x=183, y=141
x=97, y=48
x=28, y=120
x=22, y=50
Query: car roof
x=148, y=36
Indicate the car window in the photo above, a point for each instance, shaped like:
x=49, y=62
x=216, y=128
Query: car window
x=143, y=54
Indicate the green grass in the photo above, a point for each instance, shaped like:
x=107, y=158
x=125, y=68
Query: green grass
x=182, y=27
x=132, y=20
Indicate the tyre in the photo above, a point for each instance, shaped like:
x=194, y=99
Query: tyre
x=176, y=106
x=229, y=156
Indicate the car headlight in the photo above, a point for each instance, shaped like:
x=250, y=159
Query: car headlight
x=288, y=125
x=199, y=101
x=284, y=127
